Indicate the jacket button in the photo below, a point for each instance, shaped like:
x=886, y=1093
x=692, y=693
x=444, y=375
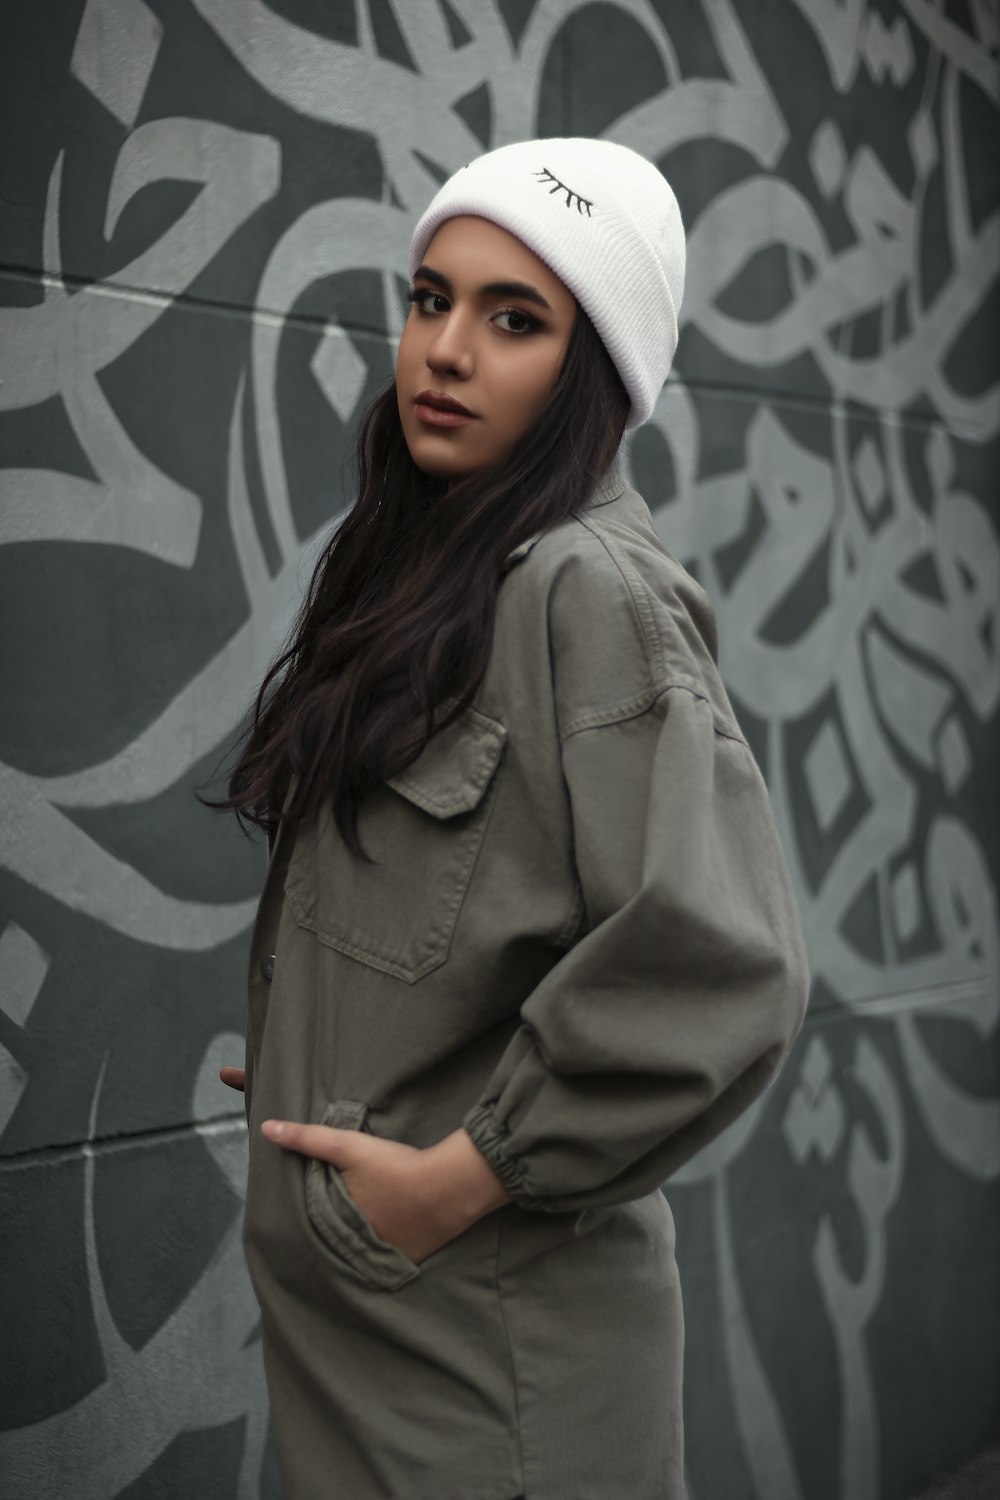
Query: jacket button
x=267, y=967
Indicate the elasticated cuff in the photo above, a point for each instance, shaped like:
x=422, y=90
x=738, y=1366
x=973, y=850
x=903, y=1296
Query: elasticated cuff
x=489, y=1137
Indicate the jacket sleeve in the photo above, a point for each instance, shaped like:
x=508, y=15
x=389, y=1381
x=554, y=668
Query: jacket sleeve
x=672, y=1013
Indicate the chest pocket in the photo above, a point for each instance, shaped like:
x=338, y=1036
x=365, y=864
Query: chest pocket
x=424, y=829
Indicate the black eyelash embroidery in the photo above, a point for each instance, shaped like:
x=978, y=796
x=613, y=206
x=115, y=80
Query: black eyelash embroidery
x=583, y=205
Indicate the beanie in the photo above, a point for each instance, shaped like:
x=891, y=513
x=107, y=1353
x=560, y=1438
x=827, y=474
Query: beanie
x=606, y=221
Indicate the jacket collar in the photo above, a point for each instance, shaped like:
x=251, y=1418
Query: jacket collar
x=610, y=487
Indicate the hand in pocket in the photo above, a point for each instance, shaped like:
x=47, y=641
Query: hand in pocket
x=388, y=1181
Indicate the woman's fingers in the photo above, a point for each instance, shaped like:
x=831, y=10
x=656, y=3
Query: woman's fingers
x=234, y=1077
x=323, y=1141
x=384, y=1178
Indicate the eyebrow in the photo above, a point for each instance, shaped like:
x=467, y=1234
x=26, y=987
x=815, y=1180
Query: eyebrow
x=492, y=288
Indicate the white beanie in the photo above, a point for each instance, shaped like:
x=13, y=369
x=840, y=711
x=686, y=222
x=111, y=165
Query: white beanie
x=606, y=221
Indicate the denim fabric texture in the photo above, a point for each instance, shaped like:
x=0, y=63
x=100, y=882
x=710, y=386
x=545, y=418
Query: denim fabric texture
x=579, y=942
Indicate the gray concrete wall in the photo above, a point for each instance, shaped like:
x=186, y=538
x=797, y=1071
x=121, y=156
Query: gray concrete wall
x=205, y=211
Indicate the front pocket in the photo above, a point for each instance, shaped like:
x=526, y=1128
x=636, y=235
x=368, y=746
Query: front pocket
x=424, y=829
x=338, y=1220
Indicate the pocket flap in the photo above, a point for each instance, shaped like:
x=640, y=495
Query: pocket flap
x=345, y=1114
x=453, y=770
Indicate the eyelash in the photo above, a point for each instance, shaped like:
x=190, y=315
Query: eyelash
x=417, y=295
x=583, y=205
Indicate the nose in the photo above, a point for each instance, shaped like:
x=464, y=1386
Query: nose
x=450, y=349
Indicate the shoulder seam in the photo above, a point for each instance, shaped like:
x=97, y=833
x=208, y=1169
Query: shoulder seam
x=638, y=594
x=641, y=703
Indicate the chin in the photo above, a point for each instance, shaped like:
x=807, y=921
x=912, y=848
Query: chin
x=439, y=467
x=437, y=470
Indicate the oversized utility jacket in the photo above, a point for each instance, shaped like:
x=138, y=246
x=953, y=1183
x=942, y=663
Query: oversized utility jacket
x=578, y=941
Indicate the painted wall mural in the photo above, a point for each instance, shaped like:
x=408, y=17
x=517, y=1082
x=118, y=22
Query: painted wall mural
x=202, y=256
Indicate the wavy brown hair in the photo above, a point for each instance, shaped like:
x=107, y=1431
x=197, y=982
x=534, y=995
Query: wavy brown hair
x=394, y=634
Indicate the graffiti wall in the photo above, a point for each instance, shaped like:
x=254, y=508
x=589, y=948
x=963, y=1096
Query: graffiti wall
x=205, y=218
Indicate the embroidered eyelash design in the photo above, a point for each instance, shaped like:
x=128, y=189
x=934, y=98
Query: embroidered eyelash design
x=583, y=205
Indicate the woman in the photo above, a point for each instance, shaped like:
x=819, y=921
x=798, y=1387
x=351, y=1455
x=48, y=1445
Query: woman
x=526, y=941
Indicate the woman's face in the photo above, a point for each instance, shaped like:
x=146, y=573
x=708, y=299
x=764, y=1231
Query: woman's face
x=489, y=327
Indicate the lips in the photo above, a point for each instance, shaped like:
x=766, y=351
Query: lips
x=440, y=402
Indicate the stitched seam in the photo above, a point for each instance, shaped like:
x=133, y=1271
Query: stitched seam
x=634, y=708
x=373, y=959
x=629, y=708
x=638, y=594
x=343, y=1239
x=436, y=943
x=642, y=598
x=572, y=922
x=492, y=736
x=510, y=1354
x=457, y=801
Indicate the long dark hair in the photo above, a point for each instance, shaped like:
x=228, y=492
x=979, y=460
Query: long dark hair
x=398, y=618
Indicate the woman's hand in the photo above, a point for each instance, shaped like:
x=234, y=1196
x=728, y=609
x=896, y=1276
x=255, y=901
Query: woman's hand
x=234, y=1077
x=415, y=1199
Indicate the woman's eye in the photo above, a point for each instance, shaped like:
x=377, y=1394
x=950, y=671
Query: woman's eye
x=418, y=295
x=523, y=322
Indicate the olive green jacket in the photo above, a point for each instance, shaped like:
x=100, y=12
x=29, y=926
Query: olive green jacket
x=578, y=941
